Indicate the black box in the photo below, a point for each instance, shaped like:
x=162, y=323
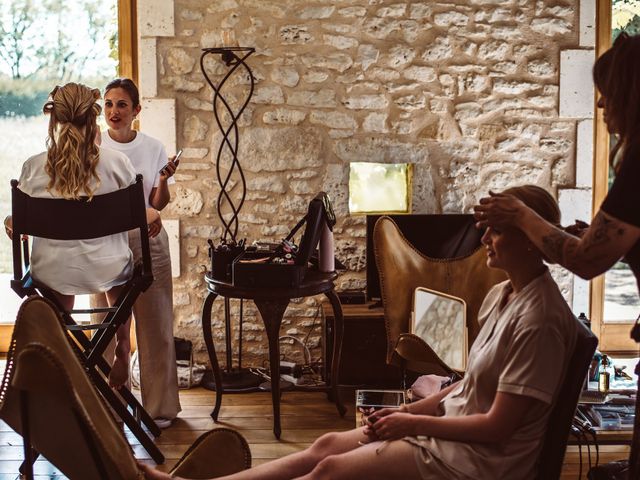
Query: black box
x=249, y=274
x=364, y=348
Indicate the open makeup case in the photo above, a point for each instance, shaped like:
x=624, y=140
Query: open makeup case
x=281, y=264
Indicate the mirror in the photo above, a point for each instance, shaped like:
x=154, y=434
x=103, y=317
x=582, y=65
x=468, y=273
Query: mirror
x=441, y=321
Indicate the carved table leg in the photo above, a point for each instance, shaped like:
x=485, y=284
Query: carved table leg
x=272, y=312
x=211, y=350
x=338, y=333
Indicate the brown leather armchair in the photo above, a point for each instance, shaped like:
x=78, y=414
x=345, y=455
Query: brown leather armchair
x=402, y=268
x=48, y=398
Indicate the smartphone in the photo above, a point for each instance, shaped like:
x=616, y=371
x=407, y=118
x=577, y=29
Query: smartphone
x=176, y=161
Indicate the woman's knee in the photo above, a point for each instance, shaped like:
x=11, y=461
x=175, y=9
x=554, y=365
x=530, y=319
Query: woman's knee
x=327, y=469
x=325, y=445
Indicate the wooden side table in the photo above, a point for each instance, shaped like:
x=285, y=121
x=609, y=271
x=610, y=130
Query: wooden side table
x=272, y=303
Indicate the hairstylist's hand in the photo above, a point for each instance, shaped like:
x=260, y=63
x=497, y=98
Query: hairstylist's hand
x=578, y=229
x=498, y=210
x=154, y=222
x=151, y=473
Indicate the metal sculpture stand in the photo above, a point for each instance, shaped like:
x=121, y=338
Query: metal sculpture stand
x=234, y=378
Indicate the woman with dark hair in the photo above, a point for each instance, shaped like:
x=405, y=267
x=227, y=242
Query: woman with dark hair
x=491, y=423
x=615, y=230
x=153, y=311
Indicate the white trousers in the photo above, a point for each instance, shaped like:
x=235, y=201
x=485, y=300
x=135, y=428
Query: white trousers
x=153, y=316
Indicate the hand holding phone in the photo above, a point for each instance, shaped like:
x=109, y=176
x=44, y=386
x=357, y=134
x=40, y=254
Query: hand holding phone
x=170, y=168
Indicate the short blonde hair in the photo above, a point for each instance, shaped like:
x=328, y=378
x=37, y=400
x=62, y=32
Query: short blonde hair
x=72, y=155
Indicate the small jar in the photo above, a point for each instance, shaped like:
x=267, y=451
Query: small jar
x=604, y=380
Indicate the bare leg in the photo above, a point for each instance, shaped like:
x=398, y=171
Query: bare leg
x=65, y=301
x=301, y=463
x=120, y=368
x=376, y=461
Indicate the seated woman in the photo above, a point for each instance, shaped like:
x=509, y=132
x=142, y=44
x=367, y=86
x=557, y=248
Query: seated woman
x=491, y=423
x=74, y=166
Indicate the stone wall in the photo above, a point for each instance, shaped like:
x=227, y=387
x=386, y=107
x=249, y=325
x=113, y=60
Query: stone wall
x=469, y=92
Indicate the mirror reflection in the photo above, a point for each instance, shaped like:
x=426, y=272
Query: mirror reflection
x=440, y=320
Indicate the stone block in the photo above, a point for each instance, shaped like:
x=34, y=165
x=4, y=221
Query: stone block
x=155, y=19
x=576, y=88
x=588, y=23
x=581, y=299
x=158, y=119
x=584, y=154
x=172, y=226
x=575, y=204
x=147, y=68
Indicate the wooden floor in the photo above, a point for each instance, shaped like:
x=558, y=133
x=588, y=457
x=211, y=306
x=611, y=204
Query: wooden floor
x=305, y=416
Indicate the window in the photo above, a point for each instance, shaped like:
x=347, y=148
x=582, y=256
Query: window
x=43, y=44
x=379, y=187
x=614, y=296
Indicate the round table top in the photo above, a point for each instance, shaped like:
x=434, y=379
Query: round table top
x=313, y=283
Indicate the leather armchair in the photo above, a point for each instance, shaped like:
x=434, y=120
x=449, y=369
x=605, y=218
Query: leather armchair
x=402, y=268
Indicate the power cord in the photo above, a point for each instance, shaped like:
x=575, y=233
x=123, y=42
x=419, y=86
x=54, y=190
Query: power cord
x=575, y=431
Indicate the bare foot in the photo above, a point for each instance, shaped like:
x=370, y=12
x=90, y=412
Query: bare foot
x=120, y=369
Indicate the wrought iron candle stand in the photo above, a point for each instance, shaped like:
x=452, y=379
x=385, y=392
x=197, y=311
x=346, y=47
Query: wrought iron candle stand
x=230, y=246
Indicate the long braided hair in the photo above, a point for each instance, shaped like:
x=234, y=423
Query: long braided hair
x=72, y=155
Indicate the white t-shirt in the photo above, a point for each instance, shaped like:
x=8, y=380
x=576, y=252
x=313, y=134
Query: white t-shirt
x=78, y=267
x=523, y=348
x=147, y=156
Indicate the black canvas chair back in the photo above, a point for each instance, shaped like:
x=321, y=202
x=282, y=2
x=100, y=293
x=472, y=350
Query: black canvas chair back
x=555, y=440
x=61, y=219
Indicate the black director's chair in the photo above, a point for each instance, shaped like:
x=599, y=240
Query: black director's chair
x=103, y=215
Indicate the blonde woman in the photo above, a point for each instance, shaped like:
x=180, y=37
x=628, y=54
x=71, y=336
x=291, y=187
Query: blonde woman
x=488, y=425
x=72, y=167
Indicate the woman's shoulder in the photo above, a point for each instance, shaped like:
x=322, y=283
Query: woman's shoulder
x=115, y=162
x=37, y=159
x=31, y=168
x=149, y=141
x=545, y=304
x=109, y=157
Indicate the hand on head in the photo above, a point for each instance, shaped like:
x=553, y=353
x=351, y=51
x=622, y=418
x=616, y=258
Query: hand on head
x=498, y=210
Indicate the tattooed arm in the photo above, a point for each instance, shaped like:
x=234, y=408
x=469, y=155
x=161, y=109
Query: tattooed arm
x=605, y=241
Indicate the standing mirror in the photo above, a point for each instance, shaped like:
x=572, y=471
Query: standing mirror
x=440, y=320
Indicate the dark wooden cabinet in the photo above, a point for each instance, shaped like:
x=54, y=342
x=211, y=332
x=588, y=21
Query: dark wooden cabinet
x=364, y=347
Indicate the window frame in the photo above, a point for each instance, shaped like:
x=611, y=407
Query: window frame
x=127, y=67
x=613, y=337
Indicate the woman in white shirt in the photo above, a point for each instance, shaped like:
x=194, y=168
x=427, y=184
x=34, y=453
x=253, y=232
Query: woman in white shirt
x=491, y=423
x=153, y=311
x=72, y=167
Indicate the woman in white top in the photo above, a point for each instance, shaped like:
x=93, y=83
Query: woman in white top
x=491, y=423
x=72, y=167
x=153, y=311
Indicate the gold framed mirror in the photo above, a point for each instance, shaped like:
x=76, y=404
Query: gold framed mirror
x=441, y=321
